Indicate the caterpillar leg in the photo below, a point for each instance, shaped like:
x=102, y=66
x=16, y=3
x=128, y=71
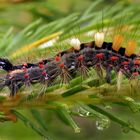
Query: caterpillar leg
x=13, y=89
x=42, y=91
x=108, y=75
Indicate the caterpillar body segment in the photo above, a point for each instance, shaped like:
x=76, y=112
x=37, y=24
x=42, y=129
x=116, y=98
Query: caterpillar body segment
x=96, y=54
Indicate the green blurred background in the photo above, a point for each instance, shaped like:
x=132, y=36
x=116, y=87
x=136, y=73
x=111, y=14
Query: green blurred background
x=18, y=14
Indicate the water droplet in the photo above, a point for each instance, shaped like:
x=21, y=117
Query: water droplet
x=77, y=130
x=83, y=113
x=108, y=107
x=102, y=124
x=134, y=107
x=28, y=124
x=129, y=99
x=125, y=129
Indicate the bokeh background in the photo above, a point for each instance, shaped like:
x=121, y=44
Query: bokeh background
x=17, y=14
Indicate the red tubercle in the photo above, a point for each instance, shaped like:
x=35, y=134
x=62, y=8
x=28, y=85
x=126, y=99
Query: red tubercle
x=57, y=58
x=100, y=55
x=114, y=58
x=80, y=58
x=62, y=65
x=25, y=65
x=135, y=73
x=44, y=73
x=136, y=62
x=125, y=63
x=41, y=62
x=41, y=66
x=136, y=66
x=26, y=76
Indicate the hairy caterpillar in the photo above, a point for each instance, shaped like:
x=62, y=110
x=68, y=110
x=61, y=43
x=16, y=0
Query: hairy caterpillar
x=81, y=57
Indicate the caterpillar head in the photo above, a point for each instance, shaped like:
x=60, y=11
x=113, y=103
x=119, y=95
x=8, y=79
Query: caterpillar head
x=5, y=64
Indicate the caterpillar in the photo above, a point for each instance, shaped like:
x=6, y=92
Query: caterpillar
x=97, y=54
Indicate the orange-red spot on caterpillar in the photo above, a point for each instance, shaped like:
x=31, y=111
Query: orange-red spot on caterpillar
x=41, y=66
x=62, y=65
x=80, y=58
x=130, y=47
x=136, y=62
x=100, y=55
x=57, y=58
x=26, y=76
x=25, y=65
x=44, y=73
x=114, y=58
x=117, y=41
x=125, y=63
x=135, y=73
